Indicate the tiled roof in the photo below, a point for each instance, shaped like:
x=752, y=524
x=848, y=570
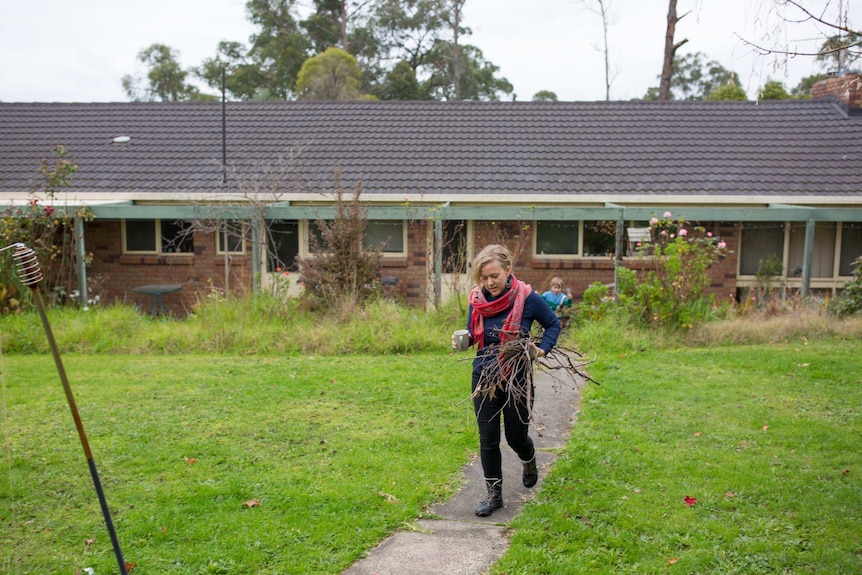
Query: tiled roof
x=783, y=148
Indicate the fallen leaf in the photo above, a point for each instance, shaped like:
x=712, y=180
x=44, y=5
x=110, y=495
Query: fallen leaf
x=251, y=503
x=697, y=434
x=89, y=542
x=845, y=472
x=690, y=501
x=191, y=460
x=672, y=560
x=130, y=565
x=765, y=427
x=730, y=494
x=388, y=497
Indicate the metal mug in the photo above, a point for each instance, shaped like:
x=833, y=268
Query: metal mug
x=462, y=339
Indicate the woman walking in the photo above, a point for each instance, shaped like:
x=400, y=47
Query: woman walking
x=503, y=308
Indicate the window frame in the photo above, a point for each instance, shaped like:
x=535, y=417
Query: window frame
x=157, y=239
x=244, y=239
x=306, y=227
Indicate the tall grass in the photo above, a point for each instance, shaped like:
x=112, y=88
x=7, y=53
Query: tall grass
x=255, y=325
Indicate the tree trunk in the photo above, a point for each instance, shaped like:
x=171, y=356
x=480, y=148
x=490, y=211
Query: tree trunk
x=669, y=51
x=456, y=56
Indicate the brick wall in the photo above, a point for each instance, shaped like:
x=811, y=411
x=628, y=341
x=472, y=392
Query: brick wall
x=847, y=88
x=112, y=275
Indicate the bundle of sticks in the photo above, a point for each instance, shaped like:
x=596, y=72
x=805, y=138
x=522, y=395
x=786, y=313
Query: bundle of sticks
x=513, y=371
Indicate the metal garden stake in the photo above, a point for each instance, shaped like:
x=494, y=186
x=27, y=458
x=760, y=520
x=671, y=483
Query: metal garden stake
x=30, y=275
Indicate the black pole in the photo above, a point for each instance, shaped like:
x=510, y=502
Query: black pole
x=40, y=306
x=223, y=129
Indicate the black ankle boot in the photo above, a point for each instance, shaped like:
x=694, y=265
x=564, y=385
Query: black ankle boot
x=494, y=500
x=531, y=472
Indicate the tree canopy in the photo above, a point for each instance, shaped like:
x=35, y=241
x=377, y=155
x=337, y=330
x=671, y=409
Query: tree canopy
x=381, y=36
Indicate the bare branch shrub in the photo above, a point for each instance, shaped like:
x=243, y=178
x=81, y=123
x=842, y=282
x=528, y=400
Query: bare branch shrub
x=341, y=272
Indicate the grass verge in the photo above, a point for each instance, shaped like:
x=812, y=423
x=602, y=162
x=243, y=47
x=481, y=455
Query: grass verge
x=764, y=438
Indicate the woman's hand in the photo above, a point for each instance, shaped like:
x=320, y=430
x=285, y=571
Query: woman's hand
x=536, y=351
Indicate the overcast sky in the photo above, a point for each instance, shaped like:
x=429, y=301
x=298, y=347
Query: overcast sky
x=78, y=51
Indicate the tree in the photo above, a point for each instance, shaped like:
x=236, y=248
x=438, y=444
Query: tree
x=409, y=29
x=452, y=17
x=727, y=92
x=545, y=96
x=602, y=8
x=166, y=79
x=400, y=84
x=843, y=43
x=478, y=78
x=774, y=90
x=279, y=48
x=694, y=79
x=803, y=88
x=243, y=79
x=838, y=53
x=669, y=51
x=332, y=75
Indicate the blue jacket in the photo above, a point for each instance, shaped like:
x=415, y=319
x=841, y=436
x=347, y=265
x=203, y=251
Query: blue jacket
x=535, y=310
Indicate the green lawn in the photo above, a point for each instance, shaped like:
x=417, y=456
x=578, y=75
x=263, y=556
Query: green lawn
x=767, y=439
x=340, y=451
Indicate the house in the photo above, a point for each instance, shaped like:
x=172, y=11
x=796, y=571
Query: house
x=560, y=182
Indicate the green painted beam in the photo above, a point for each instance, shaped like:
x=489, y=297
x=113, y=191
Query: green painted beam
x=285, y=211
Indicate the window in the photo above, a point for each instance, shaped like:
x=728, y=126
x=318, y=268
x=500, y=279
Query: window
x=759, y=241
x=851, y=247
x=235, y=231
x=557, y=238
x=599, y=239
x=282, y=245
x=386, y=233
x=175, y=236
x=823, y=259
x=454, y=252
x=589, y=239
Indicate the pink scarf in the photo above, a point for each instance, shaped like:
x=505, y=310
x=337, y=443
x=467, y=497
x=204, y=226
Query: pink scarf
x=513, y=299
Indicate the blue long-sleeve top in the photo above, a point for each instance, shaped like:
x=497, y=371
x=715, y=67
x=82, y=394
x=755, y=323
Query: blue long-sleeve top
x=535, y=309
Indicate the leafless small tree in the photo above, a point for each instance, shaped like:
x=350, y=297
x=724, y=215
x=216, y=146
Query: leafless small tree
x=341, y=271
x=603, y=8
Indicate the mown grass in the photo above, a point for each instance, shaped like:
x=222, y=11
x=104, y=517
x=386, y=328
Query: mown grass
x=766, y=439
x=339, y=453
x=346, y=428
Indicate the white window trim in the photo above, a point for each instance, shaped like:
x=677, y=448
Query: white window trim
x=158, y=241
x=243, y=241
x=305, y=250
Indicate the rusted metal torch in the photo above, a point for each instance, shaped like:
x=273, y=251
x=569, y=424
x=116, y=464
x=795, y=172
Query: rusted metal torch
x=30, y=275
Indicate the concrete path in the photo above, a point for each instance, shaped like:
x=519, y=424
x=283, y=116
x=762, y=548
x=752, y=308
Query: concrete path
x=459, y=542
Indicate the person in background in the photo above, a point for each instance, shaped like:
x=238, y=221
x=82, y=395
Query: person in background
x=555, y=297
x=503, y=307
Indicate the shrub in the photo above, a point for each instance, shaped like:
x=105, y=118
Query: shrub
x=672, y=292
x=849, y=301
x=342, y=273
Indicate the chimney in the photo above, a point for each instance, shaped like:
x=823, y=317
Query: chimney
x=847, y=88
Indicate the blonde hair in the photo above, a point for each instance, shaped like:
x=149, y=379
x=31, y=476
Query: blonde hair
x=494, y=252
x=558, y=282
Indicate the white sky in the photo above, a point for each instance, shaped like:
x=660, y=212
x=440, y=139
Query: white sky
x=78, y=51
